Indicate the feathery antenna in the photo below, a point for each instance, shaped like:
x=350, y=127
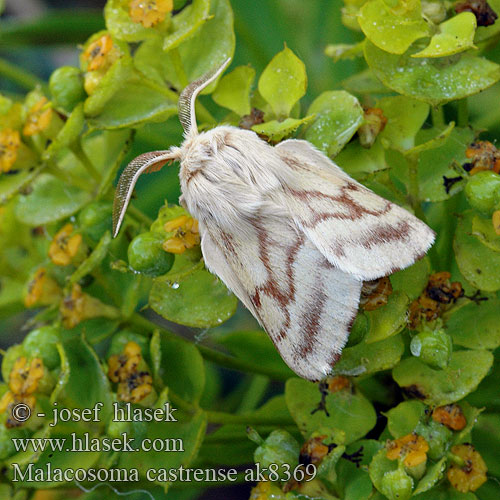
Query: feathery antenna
x=188, y=96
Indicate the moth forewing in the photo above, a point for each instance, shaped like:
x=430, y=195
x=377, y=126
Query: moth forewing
x=289, y=232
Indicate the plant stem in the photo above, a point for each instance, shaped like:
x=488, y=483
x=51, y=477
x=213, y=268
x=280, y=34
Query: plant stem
x=66, y=177
x=413, y=189
x=179, y=67
x=211, y=354
x=219, y=417
x=463, y=113
x=437, y=114
x=139, y=215
x=23, y=78
x=77, y=150
x=254, y=394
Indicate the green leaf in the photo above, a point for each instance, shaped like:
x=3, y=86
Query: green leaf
x=445, y=492
x=277, y=130
x=435, y=81
x=389, y=319
x=137, y=101
x=303, y=397
x=341, y=51
x=476, y=326
x=478, y=264
x=179, y=366
x=93, y=260
x=365, y=82
x=121, y=26
x=233, y=90
x=454, y=35
x=51, y=200
x=432, y=475
x=338, y=117
x=436, y=162
x=283, y=82
x=255, y=347
x=413, y=279
x=187, y=23
x=483, y=230
x=15, y=182
x=440, y=387
x=189, y=432
x=359, y=162
x=80, y=363
x=405, y=118
x=486, y=439
x=116, y=76
x=393, y=28
x=364, y=358
x=402, y=419
x=68, y=134
x=198, y=300
x=379, y=467
x=201, y=50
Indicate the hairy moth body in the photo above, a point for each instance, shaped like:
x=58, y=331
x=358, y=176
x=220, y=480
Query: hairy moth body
x=288, y=232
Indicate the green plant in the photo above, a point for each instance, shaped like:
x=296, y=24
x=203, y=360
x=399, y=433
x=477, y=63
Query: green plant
x=418, y=379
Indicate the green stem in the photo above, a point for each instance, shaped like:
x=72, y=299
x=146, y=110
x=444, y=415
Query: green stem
x=413, y=188
x=175, y=57
x=219, y=417
x=67, y=177
x=23, y=78
x=139, y=215
x=237, y=435
x=204, y=115
x=254, y=394
x=437, y=114
x=77, y=150
x=463, y=113
x=211, y=354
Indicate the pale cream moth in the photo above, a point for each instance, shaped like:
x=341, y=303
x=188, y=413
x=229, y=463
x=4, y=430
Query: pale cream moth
x=288, y=232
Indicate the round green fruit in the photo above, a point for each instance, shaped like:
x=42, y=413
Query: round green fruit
x=483, y=190
x=146, y=255
x=66, y=87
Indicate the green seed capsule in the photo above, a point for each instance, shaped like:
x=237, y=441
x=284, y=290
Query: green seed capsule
x=483, y=190
x=397, y=485
x=438, y=437
x=41, y=343
x=95, y=219
x=433, y=347
x=66, y=87
x=279, y=448
x=146, y=255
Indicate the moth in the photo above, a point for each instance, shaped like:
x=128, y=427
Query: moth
x=287, y=231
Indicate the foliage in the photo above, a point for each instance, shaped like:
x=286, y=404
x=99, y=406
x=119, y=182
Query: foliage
x=393, y=419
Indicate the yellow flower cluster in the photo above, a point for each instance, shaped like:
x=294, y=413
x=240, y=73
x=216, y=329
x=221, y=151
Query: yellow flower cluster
x=99, y=53
x=39, y=118
x=450, y=415
x=23, y=382
x=412, y=448
x=133, y=384
x=9, y=146
x=472, y=473
x=186, y=234
x=79, y=306
x=149, y=12
x=64, y=246
x=42, y=290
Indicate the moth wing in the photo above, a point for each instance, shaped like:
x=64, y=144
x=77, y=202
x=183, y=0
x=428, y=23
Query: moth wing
x=305, y=304
x=356, y=230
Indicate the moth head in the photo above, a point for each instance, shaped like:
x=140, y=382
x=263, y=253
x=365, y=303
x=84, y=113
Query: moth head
x=153, y=161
